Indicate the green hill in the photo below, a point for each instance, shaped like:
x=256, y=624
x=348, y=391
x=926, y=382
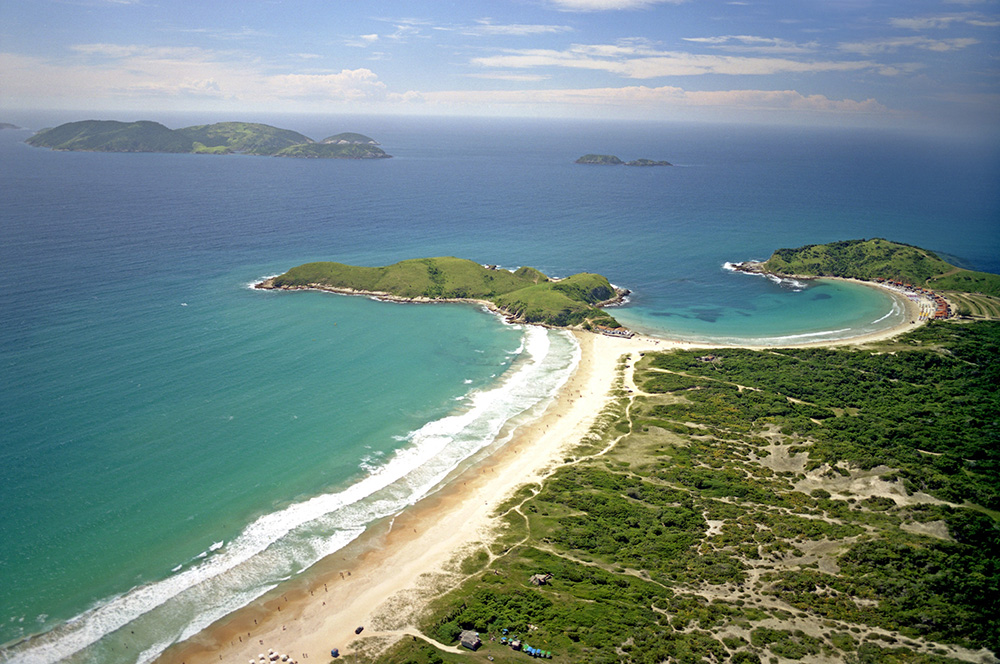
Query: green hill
x=333, y=151
x=350, y=137
x=526, y=295
x=602, y=159
x=612, y=160
x=880, y=259
x=219, y=138
x=245, y=137
x=111, y=136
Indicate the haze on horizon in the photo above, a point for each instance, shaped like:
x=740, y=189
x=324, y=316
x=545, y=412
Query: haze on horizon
x=920, y=63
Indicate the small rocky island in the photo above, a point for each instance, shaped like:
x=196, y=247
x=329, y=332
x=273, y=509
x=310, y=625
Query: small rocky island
x=7, y=125
x=219, y=138
x=524, y=295
x=612, y=160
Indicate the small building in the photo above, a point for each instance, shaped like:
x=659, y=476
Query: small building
x=540, y=579
x=623, y=332
x=470, y=639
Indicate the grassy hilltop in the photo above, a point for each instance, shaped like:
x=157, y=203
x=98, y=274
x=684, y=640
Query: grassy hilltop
x=219, y=138
x=526, y=295
x=878, y=258
x=780, y=506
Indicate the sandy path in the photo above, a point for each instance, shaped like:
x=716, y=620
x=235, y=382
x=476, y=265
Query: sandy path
x=355, y=585
x=382, y=578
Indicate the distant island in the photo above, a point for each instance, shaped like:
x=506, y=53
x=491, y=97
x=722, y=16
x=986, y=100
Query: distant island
x=7, y=125
x=525, y=295
x=219, y=138
x=975, y=294
x=612, y=160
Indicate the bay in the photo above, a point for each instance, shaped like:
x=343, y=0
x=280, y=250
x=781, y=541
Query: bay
x=154, y=406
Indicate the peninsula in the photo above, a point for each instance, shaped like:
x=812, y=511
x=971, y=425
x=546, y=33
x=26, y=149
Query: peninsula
x=525, y=295
x=953, y=290
x=612, y=160
x=679, y=503
x=219, y=138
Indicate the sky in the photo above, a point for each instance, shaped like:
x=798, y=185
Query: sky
x=929, y=63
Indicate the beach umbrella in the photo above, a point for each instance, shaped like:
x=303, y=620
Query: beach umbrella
x=334, y=653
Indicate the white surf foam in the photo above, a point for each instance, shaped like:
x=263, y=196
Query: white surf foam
x=282, y=543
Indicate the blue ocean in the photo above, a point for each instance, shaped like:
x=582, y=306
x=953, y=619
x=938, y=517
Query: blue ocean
x=174, y=443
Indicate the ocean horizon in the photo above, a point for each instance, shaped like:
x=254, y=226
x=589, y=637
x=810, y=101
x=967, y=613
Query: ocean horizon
x=177, y=443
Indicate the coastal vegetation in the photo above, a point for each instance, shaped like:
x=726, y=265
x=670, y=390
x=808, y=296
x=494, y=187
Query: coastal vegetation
x=525, y=295
x=758, y=506
x=351, y=138
x=219, y=138
x=243, y=137
x=880, y=259
x=612, y=160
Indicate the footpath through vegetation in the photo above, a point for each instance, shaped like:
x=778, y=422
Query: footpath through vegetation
x=772, y=506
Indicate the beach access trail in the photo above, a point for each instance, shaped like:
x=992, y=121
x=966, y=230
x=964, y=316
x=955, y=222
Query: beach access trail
x=383, y=579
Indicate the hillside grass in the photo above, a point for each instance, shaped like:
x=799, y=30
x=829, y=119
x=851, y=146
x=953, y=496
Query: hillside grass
x=527, y=294
x=881, y=259
x=111, y=136
x=333, y=151
x=245, y=137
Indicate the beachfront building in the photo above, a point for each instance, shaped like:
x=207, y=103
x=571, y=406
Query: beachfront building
x=622, y=332
x=940, y=305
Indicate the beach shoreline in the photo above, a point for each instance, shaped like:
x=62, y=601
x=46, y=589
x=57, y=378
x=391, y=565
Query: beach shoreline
x=381, y=580
x=372, y=582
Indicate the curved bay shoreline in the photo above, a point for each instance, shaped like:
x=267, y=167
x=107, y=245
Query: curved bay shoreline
x=383, y=579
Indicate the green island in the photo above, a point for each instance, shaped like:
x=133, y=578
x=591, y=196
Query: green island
x=7, y=125
x=525, y=295
x=975, y=294
x=219, y=138
x=612, y=160
x=733, y=505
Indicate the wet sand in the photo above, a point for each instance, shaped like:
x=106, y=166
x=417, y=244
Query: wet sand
x=383, y=579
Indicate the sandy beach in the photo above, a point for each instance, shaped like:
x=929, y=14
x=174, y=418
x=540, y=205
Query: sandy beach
x=382, y=580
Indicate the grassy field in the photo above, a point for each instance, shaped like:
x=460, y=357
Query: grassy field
x=975, y=305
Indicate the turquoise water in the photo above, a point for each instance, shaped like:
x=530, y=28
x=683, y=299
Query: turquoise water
x=176, y=443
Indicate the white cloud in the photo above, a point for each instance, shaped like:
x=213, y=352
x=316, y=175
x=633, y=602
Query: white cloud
x=944, y=21
x=115, y=71
x=362, y=41
x=667, y=98
x=346, y=85
x=749, y=43
x=892, y=45
x=502, y=76
x=643, y=62
x=487, y=27
x=605, y=5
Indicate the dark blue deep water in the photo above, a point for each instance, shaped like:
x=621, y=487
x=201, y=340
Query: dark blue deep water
x=162, y=425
